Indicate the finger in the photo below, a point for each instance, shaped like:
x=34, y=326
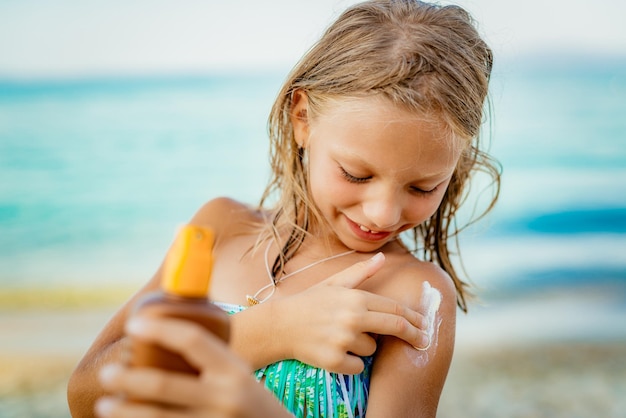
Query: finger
x=377, y=303
x=197, y=345
x=151, y=385
x=356, y=274
x=109, y=407
x=347, y=364
x=364, y=345
x=389, y=324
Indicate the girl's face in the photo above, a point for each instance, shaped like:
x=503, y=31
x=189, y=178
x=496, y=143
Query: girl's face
x=375, y=169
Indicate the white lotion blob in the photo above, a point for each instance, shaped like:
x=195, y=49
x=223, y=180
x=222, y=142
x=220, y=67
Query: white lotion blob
x=431, y=300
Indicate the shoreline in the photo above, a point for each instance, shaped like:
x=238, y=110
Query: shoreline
x=64, y=298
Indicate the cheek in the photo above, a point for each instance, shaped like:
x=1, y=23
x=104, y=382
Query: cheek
x=423, y=209
x=327, y=190
x=326, y=185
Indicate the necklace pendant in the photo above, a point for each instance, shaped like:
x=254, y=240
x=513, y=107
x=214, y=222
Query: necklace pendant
x=252, y=300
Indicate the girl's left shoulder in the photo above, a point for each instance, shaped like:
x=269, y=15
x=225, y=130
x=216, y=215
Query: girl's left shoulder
x=406, y=278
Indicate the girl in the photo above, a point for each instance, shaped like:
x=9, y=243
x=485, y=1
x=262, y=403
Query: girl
x=374, y=136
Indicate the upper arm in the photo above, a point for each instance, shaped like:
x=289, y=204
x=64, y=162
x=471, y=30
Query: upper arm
x=407, y=382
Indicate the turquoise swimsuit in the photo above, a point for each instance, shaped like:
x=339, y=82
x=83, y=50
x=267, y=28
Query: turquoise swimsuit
x=307, y=391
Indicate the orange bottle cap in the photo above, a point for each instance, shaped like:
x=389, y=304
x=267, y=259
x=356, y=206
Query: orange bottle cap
x=188, y=265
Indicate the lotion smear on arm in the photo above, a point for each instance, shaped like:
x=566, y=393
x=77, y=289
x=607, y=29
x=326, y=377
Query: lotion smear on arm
x=431, y=300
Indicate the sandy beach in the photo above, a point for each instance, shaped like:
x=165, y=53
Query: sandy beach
x=497, y=371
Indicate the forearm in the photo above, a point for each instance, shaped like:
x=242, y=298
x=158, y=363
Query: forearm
x=83, y=388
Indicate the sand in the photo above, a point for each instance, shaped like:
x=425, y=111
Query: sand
x=554, y=380
x=43, y=335
x=509, y=376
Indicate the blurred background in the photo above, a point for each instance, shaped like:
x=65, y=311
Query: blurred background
x=119, y=119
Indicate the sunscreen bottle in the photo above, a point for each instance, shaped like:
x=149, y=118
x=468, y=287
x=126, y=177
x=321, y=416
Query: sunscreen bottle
x=183, y=295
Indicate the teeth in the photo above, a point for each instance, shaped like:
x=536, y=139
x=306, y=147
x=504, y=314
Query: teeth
x=364, y=229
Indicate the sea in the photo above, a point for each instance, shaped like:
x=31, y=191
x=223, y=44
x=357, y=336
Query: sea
x=96, y=174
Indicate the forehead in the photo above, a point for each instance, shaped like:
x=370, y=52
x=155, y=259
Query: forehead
x=378, y=112
x=376, y=130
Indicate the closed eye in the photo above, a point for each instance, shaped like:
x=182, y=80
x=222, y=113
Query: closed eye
x=422, y=191
x=353, y=179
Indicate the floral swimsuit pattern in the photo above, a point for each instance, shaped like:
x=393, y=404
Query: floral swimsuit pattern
x=308, y=391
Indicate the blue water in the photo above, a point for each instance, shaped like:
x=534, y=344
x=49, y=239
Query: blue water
x=95, y=175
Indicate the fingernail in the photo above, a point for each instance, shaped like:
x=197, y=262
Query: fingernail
x=135, y=326
x=424, y=343
x=108, y=373
x=377, y=257
x=104, y=407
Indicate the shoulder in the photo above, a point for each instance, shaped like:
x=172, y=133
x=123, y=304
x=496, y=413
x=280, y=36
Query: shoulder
x=424, y=287
x=227, y=216
x=223, y=206
x=405, y=278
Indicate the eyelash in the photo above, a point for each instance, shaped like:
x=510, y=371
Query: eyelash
x=423, y=192
x=359, y=180
x=353, y=179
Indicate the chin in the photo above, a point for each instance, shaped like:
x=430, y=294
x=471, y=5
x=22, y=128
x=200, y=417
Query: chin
x=367, y=246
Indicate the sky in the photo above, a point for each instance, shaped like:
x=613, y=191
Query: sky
x=77, y=38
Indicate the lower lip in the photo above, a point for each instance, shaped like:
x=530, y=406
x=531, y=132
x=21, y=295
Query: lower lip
x=366, y=235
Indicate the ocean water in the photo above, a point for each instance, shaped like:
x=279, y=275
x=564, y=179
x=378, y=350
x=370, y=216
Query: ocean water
x=96, y=175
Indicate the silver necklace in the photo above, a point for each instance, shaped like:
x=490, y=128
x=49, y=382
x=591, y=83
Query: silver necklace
x=254, y=300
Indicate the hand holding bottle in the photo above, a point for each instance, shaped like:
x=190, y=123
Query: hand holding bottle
x=224, y=387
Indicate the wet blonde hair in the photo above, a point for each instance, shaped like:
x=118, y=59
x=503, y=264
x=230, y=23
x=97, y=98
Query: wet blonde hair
x=426, y=58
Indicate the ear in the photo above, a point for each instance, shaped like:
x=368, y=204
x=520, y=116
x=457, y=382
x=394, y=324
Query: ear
x=299, y=117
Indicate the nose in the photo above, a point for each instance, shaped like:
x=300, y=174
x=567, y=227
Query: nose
x=383, y=210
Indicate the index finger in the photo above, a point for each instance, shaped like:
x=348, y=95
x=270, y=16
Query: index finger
x=357, y=273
